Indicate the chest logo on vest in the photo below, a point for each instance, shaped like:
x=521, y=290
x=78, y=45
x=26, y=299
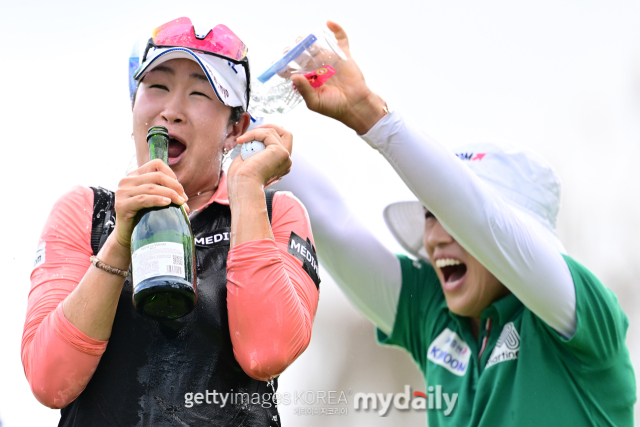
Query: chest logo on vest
x=305, y=252
x=507, y=347
x=218, y=237
x=451, y=352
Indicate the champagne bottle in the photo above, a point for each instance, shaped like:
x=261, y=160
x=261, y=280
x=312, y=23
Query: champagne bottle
x=163, y=251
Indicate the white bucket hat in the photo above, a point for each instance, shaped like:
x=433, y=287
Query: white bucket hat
x=520, y=177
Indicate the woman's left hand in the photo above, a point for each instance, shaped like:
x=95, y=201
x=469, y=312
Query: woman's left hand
x=268, y=165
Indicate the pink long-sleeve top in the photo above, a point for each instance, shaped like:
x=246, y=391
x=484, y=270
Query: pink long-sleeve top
x=264, y=279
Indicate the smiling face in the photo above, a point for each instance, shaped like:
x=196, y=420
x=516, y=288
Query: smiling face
x=178, y=96
x=468, y=286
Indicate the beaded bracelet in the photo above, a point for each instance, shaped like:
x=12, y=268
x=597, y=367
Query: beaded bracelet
x=102, y=266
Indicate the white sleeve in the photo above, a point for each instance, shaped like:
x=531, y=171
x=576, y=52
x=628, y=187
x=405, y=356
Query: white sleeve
x=499, y=237
x=367, y=272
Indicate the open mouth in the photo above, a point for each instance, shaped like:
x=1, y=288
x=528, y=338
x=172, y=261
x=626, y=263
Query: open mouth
x=452, y=270
x=176, y=150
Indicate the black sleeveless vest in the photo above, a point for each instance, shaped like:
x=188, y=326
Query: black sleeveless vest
x=149, y=366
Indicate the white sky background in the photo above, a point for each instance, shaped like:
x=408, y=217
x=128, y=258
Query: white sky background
x=560, y=77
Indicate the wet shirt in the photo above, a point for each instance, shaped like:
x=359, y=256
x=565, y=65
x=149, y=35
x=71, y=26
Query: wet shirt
x=519, y=372
x=260, y=291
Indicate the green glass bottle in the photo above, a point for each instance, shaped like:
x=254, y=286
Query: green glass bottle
x=163, y=256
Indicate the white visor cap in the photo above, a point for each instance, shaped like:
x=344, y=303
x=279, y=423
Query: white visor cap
x=520, y=177
x=228, y=80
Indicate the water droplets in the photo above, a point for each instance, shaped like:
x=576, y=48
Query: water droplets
x=271, y=383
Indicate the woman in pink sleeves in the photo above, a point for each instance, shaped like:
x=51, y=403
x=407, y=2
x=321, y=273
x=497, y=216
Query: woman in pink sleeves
x=87, y=351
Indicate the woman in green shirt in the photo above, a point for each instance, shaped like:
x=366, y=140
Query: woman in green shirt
x=492, y=309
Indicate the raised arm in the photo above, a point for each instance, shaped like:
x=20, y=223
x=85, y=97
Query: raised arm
x=272, y=294
x=271, y=300
x=504, y=241
x=366, y=271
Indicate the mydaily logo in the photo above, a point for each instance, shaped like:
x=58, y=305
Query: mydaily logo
x=451, y=352
x=433, y=400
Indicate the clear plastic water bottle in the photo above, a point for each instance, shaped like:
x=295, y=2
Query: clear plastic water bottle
x=315, y=56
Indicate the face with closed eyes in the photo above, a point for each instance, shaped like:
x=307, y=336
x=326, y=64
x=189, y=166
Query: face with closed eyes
x=177, y=95
x=467, y=285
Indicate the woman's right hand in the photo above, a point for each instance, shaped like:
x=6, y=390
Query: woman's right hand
x=345, y=96
x=153, y=184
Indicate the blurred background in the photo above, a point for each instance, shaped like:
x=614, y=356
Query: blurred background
x=559, y=77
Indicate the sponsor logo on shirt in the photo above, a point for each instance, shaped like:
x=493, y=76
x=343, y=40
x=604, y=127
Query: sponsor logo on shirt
x=451, y=352
x=471, y=156
x=305, y=252
x=217, y=238
x=507, y=347
x=40, y=255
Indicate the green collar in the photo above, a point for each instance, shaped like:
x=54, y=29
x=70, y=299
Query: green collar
x=501, y=311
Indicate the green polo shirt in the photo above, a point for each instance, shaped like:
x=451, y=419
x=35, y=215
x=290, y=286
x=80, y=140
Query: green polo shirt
x=526, y=374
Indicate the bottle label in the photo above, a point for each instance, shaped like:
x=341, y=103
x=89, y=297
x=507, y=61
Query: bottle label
x=157, y=259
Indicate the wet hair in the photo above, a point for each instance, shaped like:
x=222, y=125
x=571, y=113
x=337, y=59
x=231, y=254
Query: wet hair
x=236, y=114
x=234, y=117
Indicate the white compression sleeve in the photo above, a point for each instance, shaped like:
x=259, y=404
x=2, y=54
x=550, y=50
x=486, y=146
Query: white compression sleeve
x=367, y=272
x=501, y=239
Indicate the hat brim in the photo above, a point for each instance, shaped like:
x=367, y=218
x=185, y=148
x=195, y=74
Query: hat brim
x=406, y=222
x=221, y=86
